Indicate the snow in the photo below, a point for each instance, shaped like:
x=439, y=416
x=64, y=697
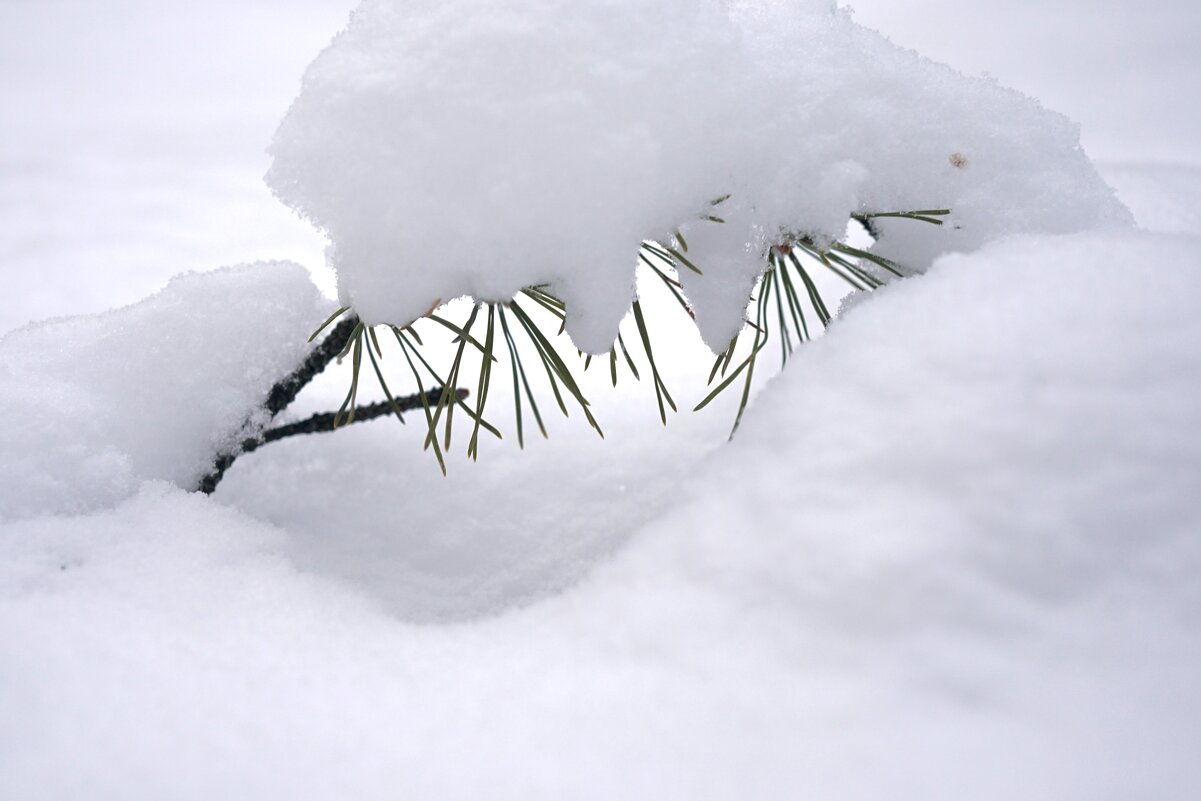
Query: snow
x=100, y=404
x=951, y=554
x=475, y=148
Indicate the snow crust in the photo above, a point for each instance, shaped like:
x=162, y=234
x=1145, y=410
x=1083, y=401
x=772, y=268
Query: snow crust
x=99, y=404
x=952, y=554
x=479, y=146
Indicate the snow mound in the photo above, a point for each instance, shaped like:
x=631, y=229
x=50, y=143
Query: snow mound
x=98, y=404
x=452, y=147
x=1026, y=418
x=952, y=554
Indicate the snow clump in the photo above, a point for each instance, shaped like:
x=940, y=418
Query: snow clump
x=99, y=404
x=475, y=147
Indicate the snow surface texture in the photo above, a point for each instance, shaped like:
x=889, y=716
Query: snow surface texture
x=476, y=147
x=955, y=563
x=97, y=405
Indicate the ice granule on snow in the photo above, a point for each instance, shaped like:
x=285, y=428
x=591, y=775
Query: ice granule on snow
x=98, y=404
x=452, y=147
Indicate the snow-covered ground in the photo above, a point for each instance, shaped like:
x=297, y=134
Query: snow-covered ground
x=951, y=554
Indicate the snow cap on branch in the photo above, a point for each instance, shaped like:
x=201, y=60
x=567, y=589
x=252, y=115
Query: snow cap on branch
x=452, y=147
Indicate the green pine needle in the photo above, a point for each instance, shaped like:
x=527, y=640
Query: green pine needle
x=325, y=325
x=786, y=294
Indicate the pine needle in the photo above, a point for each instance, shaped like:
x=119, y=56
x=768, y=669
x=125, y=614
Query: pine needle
x=778, y=309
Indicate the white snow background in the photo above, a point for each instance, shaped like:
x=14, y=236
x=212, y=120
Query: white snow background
x=953, y=552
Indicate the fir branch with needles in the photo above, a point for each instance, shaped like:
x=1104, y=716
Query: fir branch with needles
x=786, y=304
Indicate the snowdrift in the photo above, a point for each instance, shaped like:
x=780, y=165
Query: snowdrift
x=958, y=562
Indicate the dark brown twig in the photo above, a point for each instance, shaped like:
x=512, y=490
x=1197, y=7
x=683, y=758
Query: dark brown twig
x=321, y=423
x=285, y=391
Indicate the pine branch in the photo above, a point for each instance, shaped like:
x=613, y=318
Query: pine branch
x=320, y=423
x=786, y=280
x=323, y=422
x=286, y=389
